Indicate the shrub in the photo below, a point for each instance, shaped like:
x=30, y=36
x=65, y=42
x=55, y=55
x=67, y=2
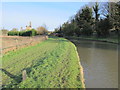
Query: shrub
x=13, y=33
x=28, y=33
x=4, y=31
x=42, y=30
x=21, y=33
x=31, y=32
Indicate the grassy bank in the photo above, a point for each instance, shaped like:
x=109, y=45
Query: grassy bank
x=50, y=64
x=114, y=40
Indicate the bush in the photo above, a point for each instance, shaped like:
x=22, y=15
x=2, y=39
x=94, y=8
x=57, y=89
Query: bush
x=13, y=33
x=42, y=30
x=4, y=31
x=32, y=32
x=21, y=33
x=28, y=33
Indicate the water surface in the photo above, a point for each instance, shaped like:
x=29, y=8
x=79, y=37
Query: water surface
x=100, y=63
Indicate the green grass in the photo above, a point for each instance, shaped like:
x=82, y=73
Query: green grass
x=50, y=64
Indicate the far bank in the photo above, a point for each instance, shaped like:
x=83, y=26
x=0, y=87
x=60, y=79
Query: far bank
x=114, y=40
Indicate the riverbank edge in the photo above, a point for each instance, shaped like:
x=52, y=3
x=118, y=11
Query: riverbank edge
x=81, y=68
x=91, y=39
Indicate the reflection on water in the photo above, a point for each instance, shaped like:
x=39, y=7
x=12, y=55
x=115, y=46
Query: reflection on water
x=100, y=63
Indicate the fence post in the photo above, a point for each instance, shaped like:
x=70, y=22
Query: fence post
x=24, y=75
x=46, y=37
x=16, y=43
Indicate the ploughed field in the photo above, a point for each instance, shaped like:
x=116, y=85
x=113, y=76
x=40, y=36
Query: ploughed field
x=52, y=63
x=11, y=41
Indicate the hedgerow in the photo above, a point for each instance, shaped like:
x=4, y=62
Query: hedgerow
x=13, y=33
x=32, y=32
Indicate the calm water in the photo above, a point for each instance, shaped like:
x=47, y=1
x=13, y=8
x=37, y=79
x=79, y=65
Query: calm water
x=100, y=63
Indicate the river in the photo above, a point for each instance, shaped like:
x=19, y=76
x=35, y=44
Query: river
x=100, y=63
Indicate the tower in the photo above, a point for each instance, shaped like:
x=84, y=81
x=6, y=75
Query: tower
x=30, y=24
x=29, y=27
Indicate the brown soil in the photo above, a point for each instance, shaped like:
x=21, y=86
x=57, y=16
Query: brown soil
x=9, y=43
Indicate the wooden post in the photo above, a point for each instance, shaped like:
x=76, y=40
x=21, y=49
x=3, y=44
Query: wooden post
x=46, y=37
x=16, y=43
x=24, y=75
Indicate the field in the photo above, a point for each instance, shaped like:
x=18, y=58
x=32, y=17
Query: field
x=54, y=63
x=11, y=42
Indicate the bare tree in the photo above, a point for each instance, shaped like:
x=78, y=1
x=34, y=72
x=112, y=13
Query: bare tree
x=41, y=30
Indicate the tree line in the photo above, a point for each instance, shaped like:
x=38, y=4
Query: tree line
x=33, y=32
x=93, y=21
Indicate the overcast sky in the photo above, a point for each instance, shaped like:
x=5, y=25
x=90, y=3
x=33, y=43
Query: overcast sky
x=53, y=14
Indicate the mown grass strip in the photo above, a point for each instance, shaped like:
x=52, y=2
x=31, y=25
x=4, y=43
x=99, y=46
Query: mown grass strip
x=50, y=64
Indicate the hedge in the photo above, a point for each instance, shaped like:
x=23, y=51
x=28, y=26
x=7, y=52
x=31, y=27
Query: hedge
x=13, y=33
x=32, y=32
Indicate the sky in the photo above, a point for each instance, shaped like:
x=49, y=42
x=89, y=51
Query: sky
x=52, y=14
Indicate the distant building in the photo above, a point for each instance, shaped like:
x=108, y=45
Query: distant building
x=29, y=27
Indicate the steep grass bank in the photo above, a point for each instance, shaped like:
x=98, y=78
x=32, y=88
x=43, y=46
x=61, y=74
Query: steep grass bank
x=53, y=63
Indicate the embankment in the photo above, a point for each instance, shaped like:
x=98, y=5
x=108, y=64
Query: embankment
x=53, y=63
x=108, y=40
